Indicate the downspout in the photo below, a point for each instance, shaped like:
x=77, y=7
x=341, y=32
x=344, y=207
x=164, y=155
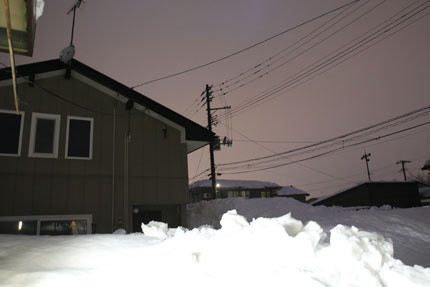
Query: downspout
x=128, y=107
x=126, y=179
x=113, y=166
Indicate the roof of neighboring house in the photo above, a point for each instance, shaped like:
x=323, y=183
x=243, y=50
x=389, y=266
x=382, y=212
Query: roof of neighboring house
x=359, y=184
x=291, y=190
x=196, y=136
x=236, y=184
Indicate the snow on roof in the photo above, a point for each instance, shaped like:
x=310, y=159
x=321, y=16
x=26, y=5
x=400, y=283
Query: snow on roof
x=228, y=183
x=290, y=190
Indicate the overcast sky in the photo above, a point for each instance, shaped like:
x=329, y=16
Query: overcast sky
x=137, y=41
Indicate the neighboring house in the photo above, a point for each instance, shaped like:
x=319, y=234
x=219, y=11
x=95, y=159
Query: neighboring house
x=293, y=192
x=202, y=190
x=86, y=149
x=395, y=194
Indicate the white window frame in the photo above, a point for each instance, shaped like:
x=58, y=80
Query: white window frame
x=91, y=120
x=20, y=132
x=34, y=117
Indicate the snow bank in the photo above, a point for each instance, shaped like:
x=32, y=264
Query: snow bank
x=276, y=249
x=409, y=229
x=271, y=251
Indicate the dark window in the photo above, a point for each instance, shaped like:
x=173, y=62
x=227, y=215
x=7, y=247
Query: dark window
x=44, y=135
x=44, y=141
x=63, y=227
x=18, y=227
x=10, y=131
x=79, y=138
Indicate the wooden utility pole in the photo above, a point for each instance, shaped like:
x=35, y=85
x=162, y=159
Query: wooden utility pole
x=403, y=162
x=214, y=145
x=211, y=144
x=366, y=157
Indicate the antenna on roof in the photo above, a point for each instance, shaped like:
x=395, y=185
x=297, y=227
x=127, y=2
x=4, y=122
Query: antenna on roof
x=67, y=53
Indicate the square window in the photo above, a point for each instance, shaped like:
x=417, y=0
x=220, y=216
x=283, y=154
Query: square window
x=79, y=138
x=11, y=126
x=44, y=135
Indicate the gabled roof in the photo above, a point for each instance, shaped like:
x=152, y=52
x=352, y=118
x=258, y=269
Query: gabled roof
x=195, y=135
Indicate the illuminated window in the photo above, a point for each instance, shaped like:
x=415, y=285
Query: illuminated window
x=11, y=126
x=79, y=138
x=44, y=135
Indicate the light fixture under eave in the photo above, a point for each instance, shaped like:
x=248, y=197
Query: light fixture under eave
x=23, y=22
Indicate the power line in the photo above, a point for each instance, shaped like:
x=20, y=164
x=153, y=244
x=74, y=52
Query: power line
x=375, y=171
x=297, y=154
x=335, y=138
x=245, y=49
x=305, y=166
x=315, y=67
x=328, y=152
x=260, y=66
x=304, y=43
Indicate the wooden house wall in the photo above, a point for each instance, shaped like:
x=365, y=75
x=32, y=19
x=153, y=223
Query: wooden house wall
x=157, y=164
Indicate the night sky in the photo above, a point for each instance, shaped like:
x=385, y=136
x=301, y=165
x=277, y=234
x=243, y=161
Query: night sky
x=385, y=76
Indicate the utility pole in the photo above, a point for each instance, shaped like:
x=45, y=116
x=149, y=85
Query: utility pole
x=366, y=157
x=403, y=162
x=212, y=147
x=211, y=144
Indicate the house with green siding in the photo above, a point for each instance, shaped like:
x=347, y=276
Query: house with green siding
x=87, y=154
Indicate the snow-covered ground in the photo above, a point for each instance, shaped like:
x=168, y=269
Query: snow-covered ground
x=306, y=248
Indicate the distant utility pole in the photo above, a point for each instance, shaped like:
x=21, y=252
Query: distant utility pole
x=366, y=157
x=403, y=162
x=216, y=144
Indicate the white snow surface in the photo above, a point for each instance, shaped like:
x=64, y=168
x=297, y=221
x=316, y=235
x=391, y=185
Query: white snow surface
x=274, y=249
x=227, y=183
x=290, y=190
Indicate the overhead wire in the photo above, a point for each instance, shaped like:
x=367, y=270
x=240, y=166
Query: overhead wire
x=245, y=49
x=261, y=67
x=328, y=152
x=321, y=63
x=303, y=152
x=304, y=43
x=302, y=165
x=340, y=137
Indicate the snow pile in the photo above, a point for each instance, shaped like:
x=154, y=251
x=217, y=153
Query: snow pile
x=275, y=251
x=409, y=228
